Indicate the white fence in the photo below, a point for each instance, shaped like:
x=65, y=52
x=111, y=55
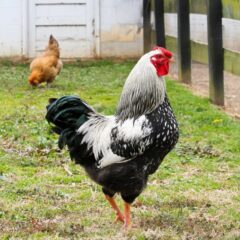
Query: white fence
x=198, y=30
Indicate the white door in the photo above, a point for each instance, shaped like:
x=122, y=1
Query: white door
x=74, y=23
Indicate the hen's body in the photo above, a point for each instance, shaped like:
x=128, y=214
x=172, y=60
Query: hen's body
x=119, y=152
x=46, y=67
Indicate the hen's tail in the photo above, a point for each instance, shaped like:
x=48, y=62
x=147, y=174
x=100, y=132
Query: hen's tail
x=67, y=114
x=35, y=78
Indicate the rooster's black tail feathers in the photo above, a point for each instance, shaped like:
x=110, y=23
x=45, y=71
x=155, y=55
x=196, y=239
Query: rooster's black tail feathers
x=67, y=114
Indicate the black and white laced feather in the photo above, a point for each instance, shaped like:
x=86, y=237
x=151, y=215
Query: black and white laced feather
x=112, y=141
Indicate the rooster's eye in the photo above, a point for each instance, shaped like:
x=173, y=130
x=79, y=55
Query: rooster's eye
x=158, y=56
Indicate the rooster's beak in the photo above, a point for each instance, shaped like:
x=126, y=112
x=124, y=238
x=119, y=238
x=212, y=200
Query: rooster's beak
x=172, y=60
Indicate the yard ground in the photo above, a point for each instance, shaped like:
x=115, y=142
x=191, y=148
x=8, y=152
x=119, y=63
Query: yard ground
x=195, y=194
x=200, y=86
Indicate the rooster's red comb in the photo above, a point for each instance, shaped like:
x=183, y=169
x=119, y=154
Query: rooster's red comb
x=165, y=51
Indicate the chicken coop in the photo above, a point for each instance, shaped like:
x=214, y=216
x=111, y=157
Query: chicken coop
x=84, y=28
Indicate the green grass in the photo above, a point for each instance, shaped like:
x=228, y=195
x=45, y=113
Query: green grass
x=193, y=195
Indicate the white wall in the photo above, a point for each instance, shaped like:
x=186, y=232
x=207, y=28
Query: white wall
x=11, y=28
x=105, y=28
x=121, y=28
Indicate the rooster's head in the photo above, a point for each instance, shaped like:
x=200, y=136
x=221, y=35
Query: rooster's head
x=144, y=88
x=160, y=58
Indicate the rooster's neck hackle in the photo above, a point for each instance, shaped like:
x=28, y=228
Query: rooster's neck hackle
x=143, y=91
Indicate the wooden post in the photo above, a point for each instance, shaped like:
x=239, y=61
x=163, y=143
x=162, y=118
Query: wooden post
x=147, y=25
x=159, y=23
x=184, y=44
x=215, y=51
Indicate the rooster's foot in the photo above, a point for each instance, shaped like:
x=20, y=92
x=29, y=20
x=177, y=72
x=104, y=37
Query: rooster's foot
x=119, y=217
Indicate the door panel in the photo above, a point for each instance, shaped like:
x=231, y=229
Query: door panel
x=71, y=22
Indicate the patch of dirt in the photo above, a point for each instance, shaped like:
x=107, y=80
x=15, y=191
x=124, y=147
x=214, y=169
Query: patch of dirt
x=198, y=149
x=204, y=225
x=200, y=86
x=216, y=197
x=10, y=146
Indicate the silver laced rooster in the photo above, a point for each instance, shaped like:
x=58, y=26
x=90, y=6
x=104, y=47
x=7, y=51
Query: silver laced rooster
x=119, y=152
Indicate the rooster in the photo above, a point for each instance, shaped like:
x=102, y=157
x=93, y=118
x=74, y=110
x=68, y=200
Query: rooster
x=46, y=67
x=119, y=152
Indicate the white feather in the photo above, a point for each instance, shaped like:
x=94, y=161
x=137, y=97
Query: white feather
x=110, y=158
x=97, y=134
x=131, y=128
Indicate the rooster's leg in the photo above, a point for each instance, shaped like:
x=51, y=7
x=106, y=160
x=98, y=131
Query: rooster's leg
x=127, y=215
x=119, y=215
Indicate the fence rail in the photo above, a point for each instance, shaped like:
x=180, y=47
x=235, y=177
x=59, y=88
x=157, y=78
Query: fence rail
x=215, y=43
